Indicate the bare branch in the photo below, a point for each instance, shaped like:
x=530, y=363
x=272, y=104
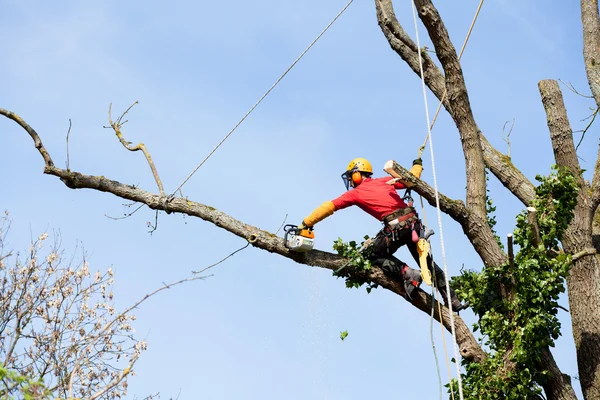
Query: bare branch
x=592, y=118
x=154, y=226
x=126, y=215
x=116, y=126
x=281, y=226
x=572, y=89
x=68, y=133
x=219, y=262
x=36, y=139
x=506, y=136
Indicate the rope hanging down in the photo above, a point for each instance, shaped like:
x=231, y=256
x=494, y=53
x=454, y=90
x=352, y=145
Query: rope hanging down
x=437, y=203
x=262, y=98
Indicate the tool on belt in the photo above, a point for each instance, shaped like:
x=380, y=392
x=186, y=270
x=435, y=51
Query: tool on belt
x=299, y=240
x=405, y=218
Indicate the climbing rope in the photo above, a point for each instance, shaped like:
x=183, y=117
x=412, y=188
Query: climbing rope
x=262, y=98
x=437, y=203
x=462, y=50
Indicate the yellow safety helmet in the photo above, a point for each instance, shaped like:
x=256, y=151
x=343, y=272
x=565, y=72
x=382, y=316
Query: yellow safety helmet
x=354, y=173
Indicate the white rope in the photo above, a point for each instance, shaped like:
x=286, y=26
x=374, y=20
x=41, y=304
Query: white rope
x=435, y=356
x=263, y=96
x=437, y=203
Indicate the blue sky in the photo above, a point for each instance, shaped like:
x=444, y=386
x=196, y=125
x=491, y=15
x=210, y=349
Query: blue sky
x=263, y=326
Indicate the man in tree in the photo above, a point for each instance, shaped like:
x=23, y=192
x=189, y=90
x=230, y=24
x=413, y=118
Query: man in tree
x=402, y=226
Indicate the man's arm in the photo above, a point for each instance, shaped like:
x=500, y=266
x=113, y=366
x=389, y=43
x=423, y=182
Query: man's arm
x=329, y=207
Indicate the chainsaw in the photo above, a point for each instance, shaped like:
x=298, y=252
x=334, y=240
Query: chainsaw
x=300, y=240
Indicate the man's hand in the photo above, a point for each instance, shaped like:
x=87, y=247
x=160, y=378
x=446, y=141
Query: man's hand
x=417, y=168
x=303, y=226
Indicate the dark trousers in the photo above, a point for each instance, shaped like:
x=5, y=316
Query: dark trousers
x=387, y=243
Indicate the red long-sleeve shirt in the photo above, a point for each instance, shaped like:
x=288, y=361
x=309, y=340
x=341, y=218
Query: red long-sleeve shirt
x=374, y=196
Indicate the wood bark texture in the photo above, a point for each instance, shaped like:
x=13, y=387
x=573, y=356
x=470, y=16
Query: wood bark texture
x=583, y=281
x=591, y=45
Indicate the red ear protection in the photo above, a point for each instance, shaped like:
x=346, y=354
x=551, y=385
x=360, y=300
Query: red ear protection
x=356, y=178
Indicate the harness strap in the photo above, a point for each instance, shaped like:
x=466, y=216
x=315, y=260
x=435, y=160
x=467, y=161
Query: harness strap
x=400, y=215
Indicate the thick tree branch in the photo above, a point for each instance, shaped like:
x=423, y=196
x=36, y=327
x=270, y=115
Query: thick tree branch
x=559, y=126
x=475, y=228
x=461, y=107
x=591, y=45
x=559, y=385
x=469, y=347
x=36, y=139
x=499, y=164
x=506, y=172
x=402, y=44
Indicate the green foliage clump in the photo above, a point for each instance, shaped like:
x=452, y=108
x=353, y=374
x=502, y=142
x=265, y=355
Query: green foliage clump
x=517, y=306
x=16, y=386
x=358, y=259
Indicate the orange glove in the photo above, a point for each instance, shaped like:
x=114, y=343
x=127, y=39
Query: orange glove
x=320, y=213
x=417, y=168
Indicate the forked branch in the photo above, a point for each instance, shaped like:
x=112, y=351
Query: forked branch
x=116, y=126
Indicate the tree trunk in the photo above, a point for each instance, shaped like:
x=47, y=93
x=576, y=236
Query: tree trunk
x=591, y=45
x=583, y=281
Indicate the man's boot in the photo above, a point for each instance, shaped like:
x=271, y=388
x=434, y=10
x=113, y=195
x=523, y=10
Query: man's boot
x=440, y=283
x=456, y=304
x=412, y=280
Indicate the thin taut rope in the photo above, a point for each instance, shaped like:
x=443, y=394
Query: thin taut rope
x=437, y=203
x=262, y=98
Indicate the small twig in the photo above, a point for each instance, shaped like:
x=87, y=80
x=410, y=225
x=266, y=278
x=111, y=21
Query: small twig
x=117, y=318
x=116, y=126
x=506, y=136
x=155, y=224
x=219, y=262
x=562, y=308
x=68, y=133
x=5, y=256
x=117, y=379
x=280, y=226
x=126, y=215
x=583, y=131
x=572, y=89
x=583, y=253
